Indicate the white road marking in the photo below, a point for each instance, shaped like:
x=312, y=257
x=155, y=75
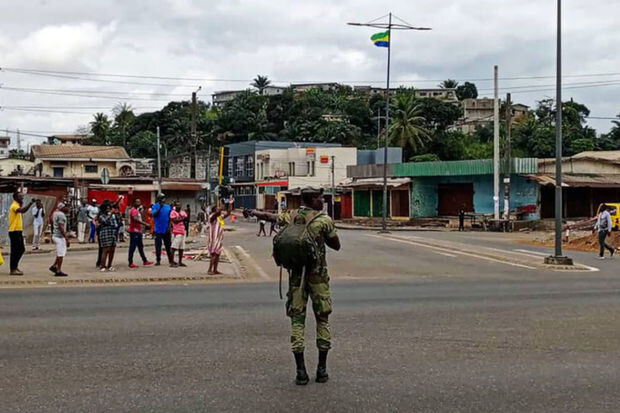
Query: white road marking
x=260, y=271
x=542, y=254
x=456, y=252
x=445, y=254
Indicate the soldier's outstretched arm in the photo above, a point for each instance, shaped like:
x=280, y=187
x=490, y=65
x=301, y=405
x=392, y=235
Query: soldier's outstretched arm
x=267, y=216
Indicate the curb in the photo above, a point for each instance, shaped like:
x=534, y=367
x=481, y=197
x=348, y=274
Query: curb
x=394, y=229
x=118, y=280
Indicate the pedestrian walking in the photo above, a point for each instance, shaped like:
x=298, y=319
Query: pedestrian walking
x=83, y=221
x=108, y=229
x=202, y=218
x=179, y=219
x=149, y=221
x=93, y=212
x=308, y=280
x=261, y=228
x=603, y=226
x=161, y=216
x=60, y=238
x=16, y=229
x=273, y=228
x=38, y=223
x=188, y=215
x=216, y=233
x=135, y=233
x=462, y=218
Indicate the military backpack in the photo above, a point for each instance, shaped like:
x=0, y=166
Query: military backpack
x=294, y=247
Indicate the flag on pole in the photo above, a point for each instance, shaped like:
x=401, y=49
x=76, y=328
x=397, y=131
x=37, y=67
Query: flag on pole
x=381, y=39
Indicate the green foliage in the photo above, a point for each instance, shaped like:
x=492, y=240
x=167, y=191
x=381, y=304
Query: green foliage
x=351, y=118
x=427, y=157
x=448, y=84
x=407, y=124
x=467, y=91
x=143, y=145
x=100, y=128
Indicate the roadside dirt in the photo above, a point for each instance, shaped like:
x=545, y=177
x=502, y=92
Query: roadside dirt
x=578, y=241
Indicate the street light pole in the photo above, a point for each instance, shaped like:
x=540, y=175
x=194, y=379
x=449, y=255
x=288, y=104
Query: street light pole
x=402, y=25
x=558, y=258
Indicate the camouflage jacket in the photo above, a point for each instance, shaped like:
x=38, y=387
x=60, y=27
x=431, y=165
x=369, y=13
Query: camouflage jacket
x=321, y=229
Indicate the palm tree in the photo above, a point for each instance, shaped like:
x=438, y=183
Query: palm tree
x=100, y=127
x=406, y=128
x=448, y=84
x=123, y=120
x=260, y=83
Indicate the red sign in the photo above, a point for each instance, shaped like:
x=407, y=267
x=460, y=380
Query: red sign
x=324, y=159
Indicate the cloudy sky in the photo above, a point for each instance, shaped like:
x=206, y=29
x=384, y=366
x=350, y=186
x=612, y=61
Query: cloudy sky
x=224, y=44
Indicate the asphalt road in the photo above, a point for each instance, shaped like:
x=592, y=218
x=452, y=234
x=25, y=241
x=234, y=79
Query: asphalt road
x=414, y=330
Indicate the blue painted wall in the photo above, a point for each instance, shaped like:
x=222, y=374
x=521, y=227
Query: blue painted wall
x=424, y=197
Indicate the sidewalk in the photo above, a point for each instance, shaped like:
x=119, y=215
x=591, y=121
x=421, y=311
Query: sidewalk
x=340, y=225
x=80, y=265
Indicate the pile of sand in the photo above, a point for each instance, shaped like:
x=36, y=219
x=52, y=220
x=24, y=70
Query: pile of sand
x=582, y=242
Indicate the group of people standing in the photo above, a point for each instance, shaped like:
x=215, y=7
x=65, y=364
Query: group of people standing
x=169, y=224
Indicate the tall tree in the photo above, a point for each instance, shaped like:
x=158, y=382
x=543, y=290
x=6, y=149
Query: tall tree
x=260, y=83
x=467, y=91
x=406, y=127
x=100, y=128
x=123, y=122
x=448, y=84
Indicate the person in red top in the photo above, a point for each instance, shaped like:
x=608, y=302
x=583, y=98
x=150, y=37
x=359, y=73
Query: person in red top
x=178, y=217
x=135, y=234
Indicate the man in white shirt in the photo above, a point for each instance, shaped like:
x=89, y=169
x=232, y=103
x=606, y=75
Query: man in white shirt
x=38, y=213
x=93, y=211
x=604, y=226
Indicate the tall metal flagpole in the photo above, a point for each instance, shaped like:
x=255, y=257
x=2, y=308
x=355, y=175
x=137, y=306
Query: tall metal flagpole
x=387, y=127
x=401, y=25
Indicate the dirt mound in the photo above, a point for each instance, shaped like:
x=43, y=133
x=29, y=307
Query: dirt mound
x=582, y=242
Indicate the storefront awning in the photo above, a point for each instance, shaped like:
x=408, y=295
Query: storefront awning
x=273, y=183
x=375, y=183
x=579, y=180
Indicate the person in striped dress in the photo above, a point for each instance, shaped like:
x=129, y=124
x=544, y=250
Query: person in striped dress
x=216, y=233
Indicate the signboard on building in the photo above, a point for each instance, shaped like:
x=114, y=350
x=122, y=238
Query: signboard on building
x=324, y=159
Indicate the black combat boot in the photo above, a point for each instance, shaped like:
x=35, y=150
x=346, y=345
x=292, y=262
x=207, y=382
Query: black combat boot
x=302, y=375
x=321, y=370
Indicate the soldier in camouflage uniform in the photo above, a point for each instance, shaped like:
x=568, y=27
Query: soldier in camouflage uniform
x=314, y=284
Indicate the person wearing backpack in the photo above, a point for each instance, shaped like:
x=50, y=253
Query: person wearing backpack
x=603, y=225
x=300, y=248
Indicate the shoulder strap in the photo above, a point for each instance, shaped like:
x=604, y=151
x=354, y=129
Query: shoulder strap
x=311, y=220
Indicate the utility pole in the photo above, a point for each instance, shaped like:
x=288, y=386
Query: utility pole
x=401, y=25
x=333, y=185
x=558, y=258
x=378, y=128
x=208, y=175
x=158, y=162
x=19, y=141
x=496, y=144
x=194, y=139
x=508, y=169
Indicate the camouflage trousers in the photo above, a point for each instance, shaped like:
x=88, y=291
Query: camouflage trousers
x=316, y=286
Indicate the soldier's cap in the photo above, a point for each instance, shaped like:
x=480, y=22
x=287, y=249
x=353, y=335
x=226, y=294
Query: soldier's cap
x=307, y=190
x=161, y=195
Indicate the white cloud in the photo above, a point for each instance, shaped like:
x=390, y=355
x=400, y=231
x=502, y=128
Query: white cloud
x=61, y=45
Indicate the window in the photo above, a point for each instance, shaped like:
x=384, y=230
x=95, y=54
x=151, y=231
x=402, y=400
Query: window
x=240, y=166
x=308, y=170
x=313, y=170
x=59, y=172
x=91, y=169
x=231, y=170
x=291, y=169
x=249, y=166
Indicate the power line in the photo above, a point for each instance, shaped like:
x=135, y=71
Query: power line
x=179, y=78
